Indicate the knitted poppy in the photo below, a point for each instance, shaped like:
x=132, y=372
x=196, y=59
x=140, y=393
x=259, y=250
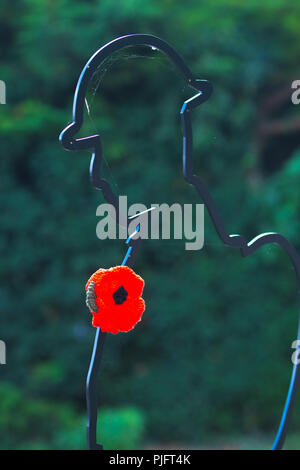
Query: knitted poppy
x=114, y=298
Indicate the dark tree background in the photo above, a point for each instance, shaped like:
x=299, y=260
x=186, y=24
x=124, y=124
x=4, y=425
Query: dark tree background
x=209, y=364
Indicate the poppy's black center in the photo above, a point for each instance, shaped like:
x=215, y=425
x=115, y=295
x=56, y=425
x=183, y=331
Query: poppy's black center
x=120, y=295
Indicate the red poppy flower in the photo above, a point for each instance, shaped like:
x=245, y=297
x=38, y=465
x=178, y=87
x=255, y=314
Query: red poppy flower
x=114, y=299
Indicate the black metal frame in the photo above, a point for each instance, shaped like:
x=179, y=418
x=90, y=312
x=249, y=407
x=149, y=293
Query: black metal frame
x=69, y=142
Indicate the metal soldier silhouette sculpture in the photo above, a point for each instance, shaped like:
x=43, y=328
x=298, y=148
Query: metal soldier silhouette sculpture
x=70, y=142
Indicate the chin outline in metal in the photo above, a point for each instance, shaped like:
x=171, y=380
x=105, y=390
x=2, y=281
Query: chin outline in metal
x=70, y=142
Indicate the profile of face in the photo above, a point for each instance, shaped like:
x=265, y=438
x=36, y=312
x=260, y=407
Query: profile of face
x=68, y=136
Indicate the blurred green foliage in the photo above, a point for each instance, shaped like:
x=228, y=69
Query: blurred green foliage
x=212, y=355
x=40, y=424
